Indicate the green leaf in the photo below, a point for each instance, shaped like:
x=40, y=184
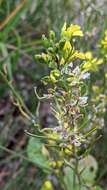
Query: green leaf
x=89, y=167
x=36, y=153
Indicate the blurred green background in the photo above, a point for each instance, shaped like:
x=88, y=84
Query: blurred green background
x=22, y=24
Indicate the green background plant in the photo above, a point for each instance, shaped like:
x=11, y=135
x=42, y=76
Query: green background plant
x=20, y=40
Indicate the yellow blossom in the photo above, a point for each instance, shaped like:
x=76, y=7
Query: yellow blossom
x=67, y=46
x=73, y=30
x=47, y=185
x=88, y=55
x=91, y=63
x=79, y=55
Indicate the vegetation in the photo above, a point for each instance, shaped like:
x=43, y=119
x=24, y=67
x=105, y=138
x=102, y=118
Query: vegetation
x=53, y=104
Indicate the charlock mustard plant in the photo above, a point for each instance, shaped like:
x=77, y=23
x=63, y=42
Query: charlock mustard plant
x=68, y=94
x=78, y=114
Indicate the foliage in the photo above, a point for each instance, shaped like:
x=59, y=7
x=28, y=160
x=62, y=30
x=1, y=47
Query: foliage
x=68, y=95
x=21, y=26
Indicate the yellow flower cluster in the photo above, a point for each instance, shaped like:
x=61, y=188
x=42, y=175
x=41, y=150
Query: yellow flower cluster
x=91, y=63
x=71, y=31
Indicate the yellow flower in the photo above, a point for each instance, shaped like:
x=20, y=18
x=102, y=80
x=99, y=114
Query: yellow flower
x=91, y=63
x=99, y=61
x=71, y=31
x=79, y=55
x=87, y=66
x=67, y=46
x=88, y=55
x=75, y=30
x=47, y=185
